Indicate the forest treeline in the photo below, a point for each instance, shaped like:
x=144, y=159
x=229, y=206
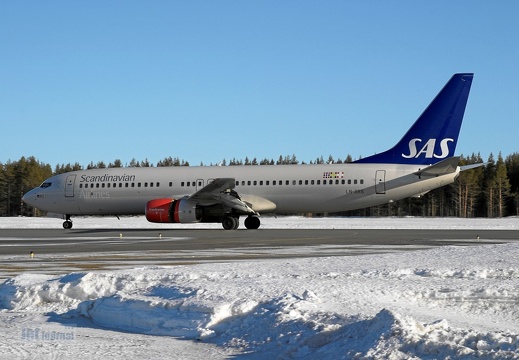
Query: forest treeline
x=488, y=191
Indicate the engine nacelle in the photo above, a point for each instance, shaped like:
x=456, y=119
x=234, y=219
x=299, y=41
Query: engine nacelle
x=172, y=211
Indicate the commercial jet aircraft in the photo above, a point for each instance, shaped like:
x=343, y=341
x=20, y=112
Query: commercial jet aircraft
x=421, y=161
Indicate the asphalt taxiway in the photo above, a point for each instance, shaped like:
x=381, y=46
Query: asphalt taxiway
x=58, y=251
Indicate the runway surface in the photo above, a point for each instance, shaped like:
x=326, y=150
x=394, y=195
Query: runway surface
x=60, y=251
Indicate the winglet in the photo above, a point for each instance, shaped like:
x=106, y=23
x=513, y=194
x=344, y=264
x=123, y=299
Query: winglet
x=434, y=135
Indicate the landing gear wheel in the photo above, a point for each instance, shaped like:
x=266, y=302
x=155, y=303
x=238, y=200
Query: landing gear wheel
x=67, y=225
x=230, y=223
x=252, y=222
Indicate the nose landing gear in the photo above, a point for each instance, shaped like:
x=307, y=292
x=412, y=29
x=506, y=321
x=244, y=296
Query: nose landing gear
x=67, y=224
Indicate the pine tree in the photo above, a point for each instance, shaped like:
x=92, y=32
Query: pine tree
x=469, y=187
x=512, y=167
x=134, y=163
x=116, y=164
x=502, y=185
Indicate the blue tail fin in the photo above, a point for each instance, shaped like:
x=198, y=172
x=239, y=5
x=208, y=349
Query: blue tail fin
x=433, y=137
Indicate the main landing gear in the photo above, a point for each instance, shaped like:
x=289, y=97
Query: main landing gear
x=231, y=222
x=252, y=222
x=68, y=223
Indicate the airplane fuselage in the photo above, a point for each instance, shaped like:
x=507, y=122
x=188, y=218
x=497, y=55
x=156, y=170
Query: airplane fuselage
x=281, y=189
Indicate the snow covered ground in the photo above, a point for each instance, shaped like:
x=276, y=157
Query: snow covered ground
x=267, y=222
x=446, y=302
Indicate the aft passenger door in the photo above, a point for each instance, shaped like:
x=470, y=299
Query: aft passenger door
x=69, y=186
x=380, y=181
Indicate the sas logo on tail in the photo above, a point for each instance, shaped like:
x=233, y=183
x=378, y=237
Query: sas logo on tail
x=427, y=148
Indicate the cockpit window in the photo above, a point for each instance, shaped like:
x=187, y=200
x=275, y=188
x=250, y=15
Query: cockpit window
x=45, y=185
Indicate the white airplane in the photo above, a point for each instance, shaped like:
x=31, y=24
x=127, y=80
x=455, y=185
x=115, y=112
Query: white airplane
x=421, y=161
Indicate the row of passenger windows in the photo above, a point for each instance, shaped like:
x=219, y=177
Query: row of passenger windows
x=238, y=183
x=115, y=185
x=300, y=182
x=285, y=182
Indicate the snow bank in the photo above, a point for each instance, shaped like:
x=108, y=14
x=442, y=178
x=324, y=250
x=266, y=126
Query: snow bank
x=446, y=302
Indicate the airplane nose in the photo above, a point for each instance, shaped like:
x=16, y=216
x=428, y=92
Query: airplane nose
x=26, y=197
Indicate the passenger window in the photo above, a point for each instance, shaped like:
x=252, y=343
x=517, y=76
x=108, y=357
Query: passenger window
x=274, y=182
x=151, y=184
x=300, y=182
x=261, y=182
x=158, y=184
x=355, y=181
x=133, y=184
x=324, y=182
x=312, y=182
x=349, y=181
x=97, y=185
x=267, y=183
x=336, y=182
x=362, y=181
x=318, y=182
x=125, y=184
x=170, y=184
x=181, y=184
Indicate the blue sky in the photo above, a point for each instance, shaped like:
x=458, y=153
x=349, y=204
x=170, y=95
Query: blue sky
x=211, y=80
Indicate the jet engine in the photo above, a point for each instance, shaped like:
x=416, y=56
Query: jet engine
x=172, y=211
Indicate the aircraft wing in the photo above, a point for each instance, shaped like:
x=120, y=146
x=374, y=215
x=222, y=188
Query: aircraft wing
x=220, y=191
x=212, y=190
x=446, y=166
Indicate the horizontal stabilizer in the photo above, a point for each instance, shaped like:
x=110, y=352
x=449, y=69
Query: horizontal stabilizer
x=472, y=166
x=446, y=166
